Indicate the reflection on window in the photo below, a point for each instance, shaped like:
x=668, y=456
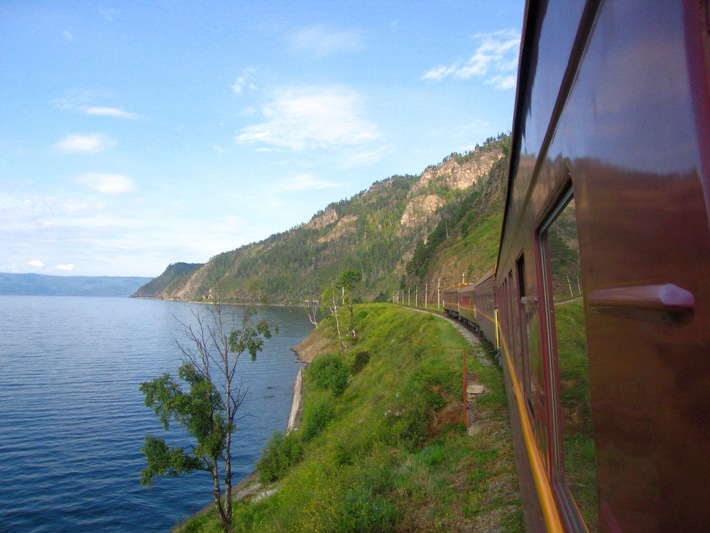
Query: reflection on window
x=573, y=400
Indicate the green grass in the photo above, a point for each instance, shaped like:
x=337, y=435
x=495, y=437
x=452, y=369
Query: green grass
x=393, y=452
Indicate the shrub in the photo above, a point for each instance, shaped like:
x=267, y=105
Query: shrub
x=361, y=359
x=315, y=417
x=282, y=452
x=330, y=373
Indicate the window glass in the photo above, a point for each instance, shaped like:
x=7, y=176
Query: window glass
x=524, y=329
x=572, y=408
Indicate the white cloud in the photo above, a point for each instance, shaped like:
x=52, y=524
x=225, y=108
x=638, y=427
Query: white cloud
x=503, y=82
x=65, y=267
x=305, y=182
x=367, y=158
x=84, y=102
x=310, y=117
x=36, y=263
x=79, y=143
x=109, y=14
x=495, y=60
x=114, y=112
x=112, y=184
x=243, y=82
x=321, y=41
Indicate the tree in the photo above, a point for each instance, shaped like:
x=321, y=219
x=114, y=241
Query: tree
x=347, y=281
x=311, y=305
x=330, y=302
x=208, y=409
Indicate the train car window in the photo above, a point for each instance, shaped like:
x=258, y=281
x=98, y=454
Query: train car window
x=513, y=324
x=573, y=444
x=524, y=333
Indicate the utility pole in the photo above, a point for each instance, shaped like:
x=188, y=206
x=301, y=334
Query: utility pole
x=438, y=294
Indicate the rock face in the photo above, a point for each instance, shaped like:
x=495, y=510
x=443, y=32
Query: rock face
x=345, y=225
x=454, y=175
x=420, y=209
x=325, y=219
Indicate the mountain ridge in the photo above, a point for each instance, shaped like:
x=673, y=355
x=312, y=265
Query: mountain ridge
x=377, y=232
x=13, y=284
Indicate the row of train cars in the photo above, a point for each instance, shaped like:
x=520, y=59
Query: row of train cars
x=600, y=298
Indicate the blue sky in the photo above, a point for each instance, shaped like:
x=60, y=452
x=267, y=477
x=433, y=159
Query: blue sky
x=135, y=134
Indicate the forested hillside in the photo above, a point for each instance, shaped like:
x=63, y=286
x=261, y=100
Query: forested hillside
x=403, y=231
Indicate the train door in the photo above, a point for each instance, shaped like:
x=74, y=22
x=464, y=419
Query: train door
x=572, y=451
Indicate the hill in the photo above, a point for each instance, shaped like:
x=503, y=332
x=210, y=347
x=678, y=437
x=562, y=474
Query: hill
x=382, y=444
x=43, y=285
x=401, y=231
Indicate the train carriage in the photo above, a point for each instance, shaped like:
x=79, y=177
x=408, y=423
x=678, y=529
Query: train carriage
x=451, y=302
x=486, y=313
x=467, y=304
x=603, y=275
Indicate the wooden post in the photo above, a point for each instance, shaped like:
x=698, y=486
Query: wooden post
x=465, y=389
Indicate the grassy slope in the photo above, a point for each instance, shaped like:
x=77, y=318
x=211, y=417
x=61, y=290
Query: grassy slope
x=396, y=455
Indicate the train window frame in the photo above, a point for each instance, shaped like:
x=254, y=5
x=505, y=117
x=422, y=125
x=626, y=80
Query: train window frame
x=523, y=302
x=552, y=355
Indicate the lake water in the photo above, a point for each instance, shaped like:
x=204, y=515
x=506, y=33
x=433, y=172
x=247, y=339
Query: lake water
x=72, y=420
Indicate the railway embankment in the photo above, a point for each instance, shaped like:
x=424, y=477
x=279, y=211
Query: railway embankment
x=381, y=442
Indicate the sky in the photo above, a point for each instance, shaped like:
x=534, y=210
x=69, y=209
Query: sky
x=135, y=134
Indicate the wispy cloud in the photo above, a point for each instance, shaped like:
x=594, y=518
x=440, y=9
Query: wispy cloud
x=84, y=102
x=495, y=60
x=65, y=267
x=84, y=143
x=321, y=41
x=109, y=14
x=114, y=112
x=244, y=82
x=367, y=158
x=305, y=182
x=298, y=118
x=35, y=263
x=112, y=184
x=68, y=36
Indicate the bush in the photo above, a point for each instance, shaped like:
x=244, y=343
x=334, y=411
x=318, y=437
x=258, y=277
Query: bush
x=315, y=417
x=330, y=373
x=282, y=452
x=361, y=360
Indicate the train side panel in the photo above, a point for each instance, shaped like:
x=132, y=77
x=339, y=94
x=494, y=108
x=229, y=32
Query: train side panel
x=603, y=278
x=484, y=294
x=467, y=304
x=451, y=302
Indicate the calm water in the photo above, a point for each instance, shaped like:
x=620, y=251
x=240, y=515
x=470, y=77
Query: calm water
x=72, y=420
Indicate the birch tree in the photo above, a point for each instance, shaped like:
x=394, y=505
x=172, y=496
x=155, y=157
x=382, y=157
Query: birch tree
x=208, y=409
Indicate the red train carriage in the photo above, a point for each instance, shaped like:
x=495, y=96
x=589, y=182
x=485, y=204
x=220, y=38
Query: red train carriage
x=467, y=304
x=484, y=294
x=451, y=302
x=603, y=275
